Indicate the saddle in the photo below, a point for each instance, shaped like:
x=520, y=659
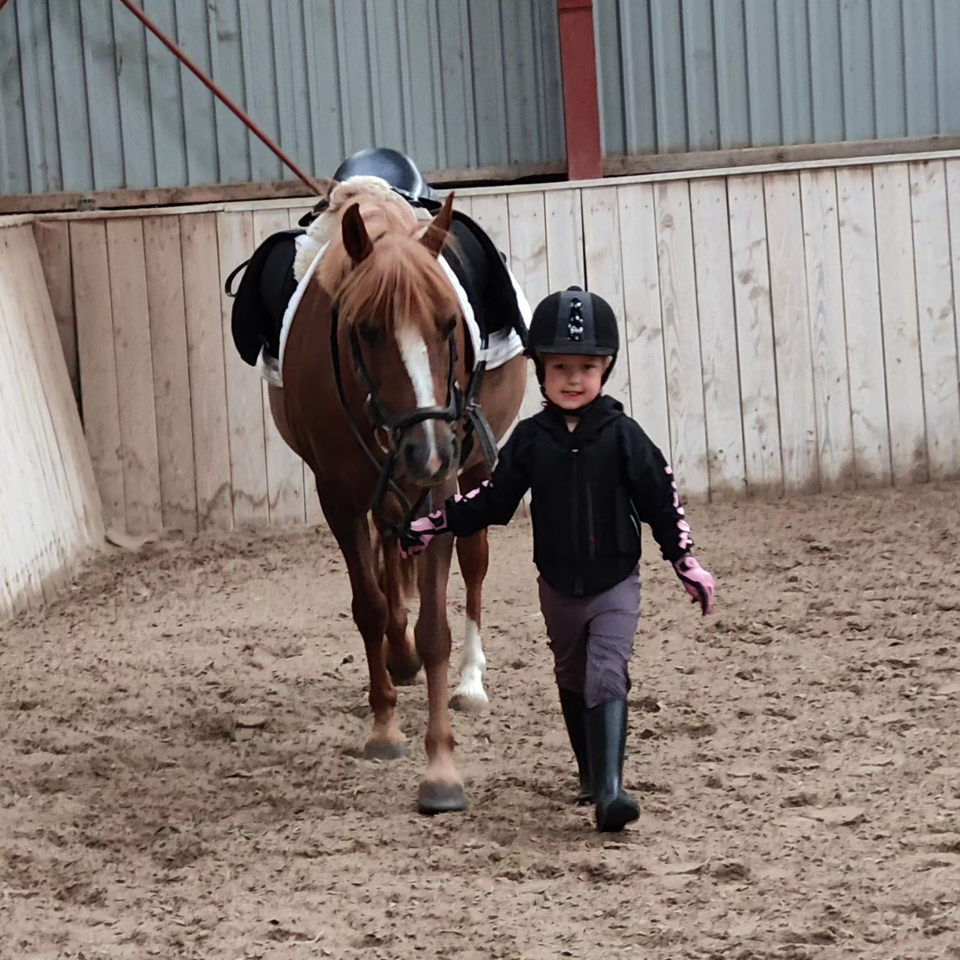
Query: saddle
x=265, y=289
x=268, y=284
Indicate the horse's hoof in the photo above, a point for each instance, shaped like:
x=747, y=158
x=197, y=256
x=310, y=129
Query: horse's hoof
x=404, y=674
x=469, y=703
x=384, y=750
x=441, y=798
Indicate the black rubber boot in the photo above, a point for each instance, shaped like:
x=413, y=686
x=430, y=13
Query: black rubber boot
x=606, y=741
x=573, y=706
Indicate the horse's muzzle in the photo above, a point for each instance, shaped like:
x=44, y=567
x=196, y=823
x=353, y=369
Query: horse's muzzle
x=429, y=453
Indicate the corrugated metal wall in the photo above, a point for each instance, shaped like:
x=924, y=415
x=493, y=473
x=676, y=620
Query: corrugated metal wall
x=681, y=75
x=89, y=102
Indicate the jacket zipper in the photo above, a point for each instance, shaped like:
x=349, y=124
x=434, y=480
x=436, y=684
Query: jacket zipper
x=575, y=517
x=591, y=536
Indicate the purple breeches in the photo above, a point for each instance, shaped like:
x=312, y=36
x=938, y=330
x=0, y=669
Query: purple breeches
x=592, y=638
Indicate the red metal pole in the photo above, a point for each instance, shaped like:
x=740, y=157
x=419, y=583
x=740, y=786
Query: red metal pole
x=217, y=92
x=581, y=104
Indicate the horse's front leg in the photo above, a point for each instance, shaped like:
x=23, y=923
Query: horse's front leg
x=474, y=556
x=386, y=741
x=399, y=583
x=441, y=789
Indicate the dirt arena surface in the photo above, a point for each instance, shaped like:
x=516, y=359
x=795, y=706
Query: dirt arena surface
x=179, y=771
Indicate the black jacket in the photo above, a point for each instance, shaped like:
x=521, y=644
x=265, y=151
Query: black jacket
x=591, y=488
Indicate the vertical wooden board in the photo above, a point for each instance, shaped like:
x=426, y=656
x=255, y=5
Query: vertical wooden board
x=642, y=352
x=901, y=335
x=171, y=373
x=53, y=245
x=98, y=385
x=208, y=389
x=464, y=205
x=528, y=262
x=285, y=495
x=831, y=379
x=131, y=343
x=490, y=211
x=861, y=295
x=248, y=465
x=953, y=213
x=681, y=337
x=67, y=517
x=565, y=264
x=80, y=483
x=30, y=481
x=718, y=337
x=935, y=310
x=754, y=321
x=601, y=240
x=37, y=391
x=791, y=328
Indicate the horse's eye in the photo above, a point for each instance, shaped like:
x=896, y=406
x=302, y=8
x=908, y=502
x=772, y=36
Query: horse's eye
x=369, y=334
x=449, y=327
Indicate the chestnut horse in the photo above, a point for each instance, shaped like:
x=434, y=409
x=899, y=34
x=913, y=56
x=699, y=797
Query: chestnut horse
x=375, y=367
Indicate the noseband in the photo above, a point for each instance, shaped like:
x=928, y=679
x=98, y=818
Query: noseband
x=382, y=419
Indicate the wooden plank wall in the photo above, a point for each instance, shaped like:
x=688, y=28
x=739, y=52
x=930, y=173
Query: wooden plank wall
x=49, y=506
x=783, y=331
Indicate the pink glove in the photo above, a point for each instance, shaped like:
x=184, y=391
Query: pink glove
x=420, y=532
x=696, y=581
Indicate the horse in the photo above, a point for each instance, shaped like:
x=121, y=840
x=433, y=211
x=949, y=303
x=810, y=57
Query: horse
x=376, y=361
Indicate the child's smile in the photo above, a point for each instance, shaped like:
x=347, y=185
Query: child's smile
x=573, y=381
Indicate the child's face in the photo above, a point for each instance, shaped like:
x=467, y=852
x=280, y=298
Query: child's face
x=571, y=382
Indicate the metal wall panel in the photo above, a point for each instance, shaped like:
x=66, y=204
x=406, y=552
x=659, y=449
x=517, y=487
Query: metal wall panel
x=679, y=75
x=90, y=101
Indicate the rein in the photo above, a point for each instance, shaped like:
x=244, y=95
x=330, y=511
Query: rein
x=459, y=406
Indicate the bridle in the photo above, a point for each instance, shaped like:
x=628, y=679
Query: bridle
x=460, y=406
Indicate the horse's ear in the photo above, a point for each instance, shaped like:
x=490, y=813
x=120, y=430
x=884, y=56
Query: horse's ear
x=436, y=233
x=356, y=240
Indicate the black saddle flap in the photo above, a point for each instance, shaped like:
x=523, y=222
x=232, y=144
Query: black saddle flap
x=482, y=270
x=265, y=290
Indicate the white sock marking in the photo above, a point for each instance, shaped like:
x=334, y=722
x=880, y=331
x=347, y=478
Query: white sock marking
x=473, y=665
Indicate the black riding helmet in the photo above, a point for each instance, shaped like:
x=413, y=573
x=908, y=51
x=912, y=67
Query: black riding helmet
x=573, y=322
x=393, y=166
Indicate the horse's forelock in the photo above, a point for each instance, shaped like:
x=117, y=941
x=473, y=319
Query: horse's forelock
x=400, y=282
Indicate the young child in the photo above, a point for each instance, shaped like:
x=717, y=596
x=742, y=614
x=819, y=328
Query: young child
x=593, y=475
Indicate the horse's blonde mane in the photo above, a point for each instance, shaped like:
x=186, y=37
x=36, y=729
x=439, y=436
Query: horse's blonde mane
x=401, y=278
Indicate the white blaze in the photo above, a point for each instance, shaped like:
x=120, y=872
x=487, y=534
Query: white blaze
x=416, y=358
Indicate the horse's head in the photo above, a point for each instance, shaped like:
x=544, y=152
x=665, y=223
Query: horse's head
x=402, y=317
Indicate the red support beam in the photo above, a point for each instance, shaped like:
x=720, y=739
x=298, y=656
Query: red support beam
x=581, y=102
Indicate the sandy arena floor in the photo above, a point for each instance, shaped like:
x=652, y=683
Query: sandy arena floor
x=179, y=772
